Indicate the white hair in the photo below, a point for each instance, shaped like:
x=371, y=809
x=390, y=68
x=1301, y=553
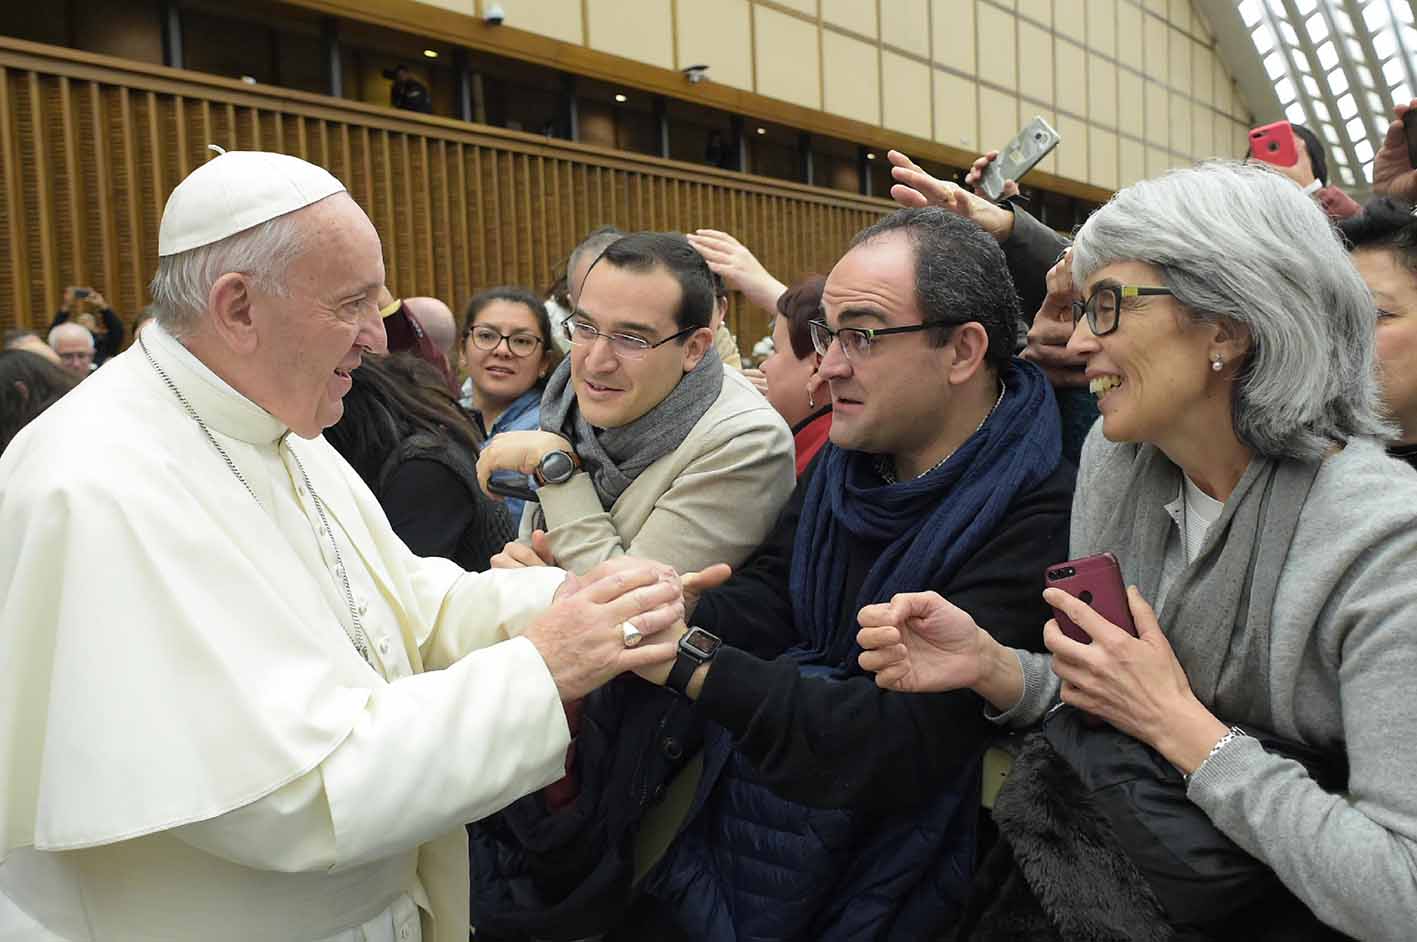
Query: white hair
x=1243, y=243
x=184, y=281
x=69, y=327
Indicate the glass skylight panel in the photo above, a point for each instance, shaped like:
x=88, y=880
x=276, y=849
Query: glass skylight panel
x=1328, y=56
x=1358, y=51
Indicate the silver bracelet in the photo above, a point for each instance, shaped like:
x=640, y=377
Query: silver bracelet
x=1231, y=734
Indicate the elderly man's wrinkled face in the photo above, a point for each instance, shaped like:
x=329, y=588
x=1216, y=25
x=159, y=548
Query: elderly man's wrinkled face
x=75, y=349
x=315, y=335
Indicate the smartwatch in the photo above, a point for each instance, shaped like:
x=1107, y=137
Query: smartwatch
x=556, y=468
x=695, y=648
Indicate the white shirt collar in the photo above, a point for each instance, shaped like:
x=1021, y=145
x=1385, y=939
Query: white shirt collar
x=223, y=408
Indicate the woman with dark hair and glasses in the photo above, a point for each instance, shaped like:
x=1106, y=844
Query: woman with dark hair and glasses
x=405, y=435
x=1238, y=763
x=507, y=352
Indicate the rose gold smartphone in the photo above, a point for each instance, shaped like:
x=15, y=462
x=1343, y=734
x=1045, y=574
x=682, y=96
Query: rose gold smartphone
x=1095, y=581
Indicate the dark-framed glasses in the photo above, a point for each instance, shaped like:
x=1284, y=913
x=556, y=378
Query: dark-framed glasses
x=1104, y=308
x=624, y=346
x=520, y=345
x=856, y=341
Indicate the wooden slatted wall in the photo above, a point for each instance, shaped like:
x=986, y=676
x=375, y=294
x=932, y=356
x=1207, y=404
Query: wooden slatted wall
x=91, y=146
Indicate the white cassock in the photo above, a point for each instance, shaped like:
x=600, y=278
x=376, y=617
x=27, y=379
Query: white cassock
x=190, y=745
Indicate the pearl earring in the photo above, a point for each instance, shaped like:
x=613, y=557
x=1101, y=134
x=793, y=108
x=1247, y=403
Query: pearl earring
x=1217, y=362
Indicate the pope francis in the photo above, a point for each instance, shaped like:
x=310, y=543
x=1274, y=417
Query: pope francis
x=235, y=705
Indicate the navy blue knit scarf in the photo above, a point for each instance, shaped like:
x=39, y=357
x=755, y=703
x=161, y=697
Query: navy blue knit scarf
x=930, y=525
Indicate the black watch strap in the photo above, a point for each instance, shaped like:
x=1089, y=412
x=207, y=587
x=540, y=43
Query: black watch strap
x=681, y=672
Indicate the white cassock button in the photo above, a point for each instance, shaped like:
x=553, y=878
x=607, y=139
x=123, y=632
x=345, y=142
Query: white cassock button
x=384, y=646
x=339, y=571
x=300, y=489
x=363, y=607
x=322, y=531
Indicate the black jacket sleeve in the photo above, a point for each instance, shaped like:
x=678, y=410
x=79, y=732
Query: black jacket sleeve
x=1030, y=250
x=847, y=743
x=427, y=506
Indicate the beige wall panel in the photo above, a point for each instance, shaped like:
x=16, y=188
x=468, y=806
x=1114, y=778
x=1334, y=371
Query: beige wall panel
x=559, y=19
x=859, y=16
x=996, y=38
x=1131, y=103
x=787, y=58
x=1070, y=19
x=1035, y=62
x=998, y=118
x=717, y=34
x=1072, y=153
x=1157, y=115
x=1101, y=91
x=1102, y=26
x=1180, y=14
x=1130, y=49
x=636, y=29
x=905, y=94
x=1239, y=139
x=1180, y=59
x=1071, y=61
x=1131, y=162
x=1156, y=6
x=808, y=7
x=1203, y=74
x=1181, y=124
x=851, y=81
x=1102, y=158
x=956, y=112
x=1202, y=132
x=1221, y=143
x=1154, y=43
x=1040, y=11
x=1157, y=162
x=905, y=24
x=952, y=28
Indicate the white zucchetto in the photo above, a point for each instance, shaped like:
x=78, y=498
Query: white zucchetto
x=237, y=190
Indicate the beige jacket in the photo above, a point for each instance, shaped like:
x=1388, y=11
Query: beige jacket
x=711, y=500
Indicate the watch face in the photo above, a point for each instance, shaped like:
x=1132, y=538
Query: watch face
x=701, y=643
x=557, y=467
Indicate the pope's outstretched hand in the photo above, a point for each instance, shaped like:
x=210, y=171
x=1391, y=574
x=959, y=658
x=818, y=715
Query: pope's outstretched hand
x=580, y=636
x=918, y=642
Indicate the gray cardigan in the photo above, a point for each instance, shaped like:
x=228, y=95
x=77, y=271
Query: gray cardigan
x=1345, y=683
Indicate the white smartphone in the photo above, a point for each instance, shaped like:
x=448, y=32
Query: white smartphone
x=1019, y=156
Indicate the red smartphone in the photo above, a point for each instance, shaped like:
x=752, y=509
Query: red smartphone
x=1274, y=144
x=1095, y=581
x=1409, y=126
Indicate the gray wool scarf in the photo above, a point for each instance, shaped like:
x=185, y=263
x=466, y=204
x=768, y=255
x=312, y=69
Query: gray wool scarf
x=1217, y=613
x=614, y=457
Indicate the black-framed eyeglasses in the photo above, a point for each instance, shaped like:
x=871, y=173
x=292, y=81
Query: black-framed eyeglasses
x=624, y=346
x=488, y=338
x=856, y=341
x=1103, y=309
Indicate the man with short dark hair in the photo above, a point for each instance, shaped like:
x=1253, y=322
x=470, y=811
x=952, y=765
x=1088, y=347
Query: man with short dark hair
x=647, y=445
x=943, y=473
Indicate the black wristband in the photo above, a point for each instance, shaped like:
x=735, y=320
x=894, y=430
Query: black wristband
x=681, y=673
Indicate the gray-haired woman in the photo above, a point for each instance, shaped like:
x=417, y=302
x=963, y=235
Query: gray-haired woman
x=1238, y=473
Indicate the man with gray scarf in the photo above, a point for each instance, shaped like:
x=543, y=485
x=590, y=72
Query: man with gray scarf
x=647, y=445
